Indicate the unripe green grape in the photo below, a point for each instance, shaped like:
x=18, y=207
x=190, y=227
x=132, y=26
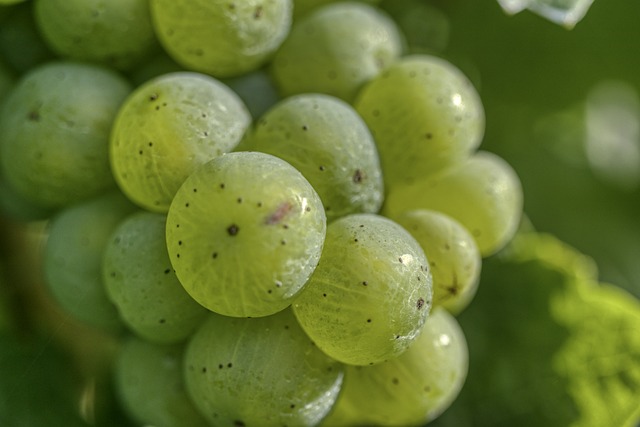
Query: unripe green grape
x=424, y=114
x=335, y=50
x=453, y=256
x=141, y=283
x=169, y=126
x=117, y=33
x=220, y=37
x=303, y=7
x=73, y=256
x=483, y=193
x=370, y=294
x=54, y=132
x=244, y=233
x=14, y=205
x=149, y=383
x=260, y=372
x=327, y=141
x=412, y=389
x=7, y=80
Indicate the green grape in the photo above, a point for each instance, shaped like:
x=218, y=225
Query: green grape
x=141, y=283
x=149, y=383
x=327, y=141
x=117, y=33
x=412, y=389
x=484, y=194
x=220, y=37
x=14, y=205
x=7, y=80
x=73, y=256
x=256, y=89
x=169, y=126
x=370, y=294
x=157, y=66
x=260, y=372
x=335, y=50
x=454, y=257
x=54, y=132
x=303, y=7
x=424, y=114
x=8, y=2
x=244, y=233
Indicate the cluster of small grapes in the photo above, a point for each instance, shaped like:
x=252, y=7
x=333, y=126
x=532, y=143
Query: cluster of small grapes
x=284, y=212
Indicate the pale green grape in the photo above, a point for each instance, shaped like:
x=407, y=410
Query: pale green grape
x=149, y=383
x=143, y=286
x=453, y=256
x=327, y=141
x=370, y=294
x=54, y=132
x=412, y=389
x=169, y=126
x=424, y=114
x=256, y=89
x=117, y=33
x=260, y=372
x=73, y=255
x=303, y=7
x=484, y=194
x=245, y=232
x=335, y=50
x=221, y=37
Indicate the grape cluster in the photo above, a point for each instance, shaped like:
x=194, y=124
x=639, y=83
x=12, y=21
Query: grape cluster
x=277, y=206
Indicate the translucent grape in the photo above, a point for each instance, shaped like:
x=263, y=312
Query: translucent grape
x=143, y=286
x=244, y=233
x=54, y=132
x=453, y=256
x=370, y=294
x=327, y=141
x=352, y=42
x=424, y=114
x=149, y=383
x=117, y=33
x=260, y=372
x=484, y=194
x=412, y=389
x=168, y=127
x=73, y=255
x=220, y=37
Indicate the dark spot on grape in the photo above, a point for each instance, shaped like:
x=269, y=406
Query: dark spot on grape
x=292, y=406
x=278, y=283
x=324, y=295
x=279, y=214
x=239, y=200
x=204, y=369
x=358, y=176
x=368, y=320
x=365, y=283
x=238, y=423
x=321, y=168
x=355, y=240
x=205, y=133
x=153, y=97
x=229, y=365
x=179, y=242
x=286, y=327
x=214, y=255
x=283, y=242
x=140, y=152
x=232, y=6
x=177, y=225
x=113, y=274
x=258, y=12
x=177, y=255
x=269, y=291
x=305, y=127
x=195, y=190
x=397, y=337
x=167, y=271
x=220, y=366
x=33, y=116
x=400, y=259
x=157, y=108
x=285, y=226
x=186, y=205
x=395, y=381
x=420, y=303
x=222, y=185
x=308, y=209
x=232, y=230
x=161, y=321
x=428, y=135
x=361, y=225
x=259, y=204
x=204, y=115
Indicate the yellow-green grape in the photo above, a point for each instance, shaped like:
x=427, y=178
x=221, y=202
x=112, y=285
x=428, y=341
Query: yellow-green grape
x=412, y=389
x=303, y=7
x=260, y=372
x=117, y=33
x=244, y=233
x=424, y=114
x=221, y=37
x=141, y=283
x=325, y=139
x=335, y=50
x=453, y=256
x=73, y=256
x=169, y=126
x=54, y=132
x=483, y=193
x=370, y=294
x=149, y=383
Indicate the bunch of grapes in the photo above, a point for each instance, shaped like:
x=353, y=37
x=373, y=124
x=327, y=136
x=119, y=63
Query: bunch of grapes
x=277, y=206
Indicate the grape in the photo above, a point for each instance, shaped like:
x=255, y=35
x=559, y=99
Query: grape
x=14, y=205
x=141, y=283
x=149, y=384
x=54, y=132
x=259, y=372
x=424, y=114
x=116, y=33
x=351, y=43
x=303, y=7
x=244, y=233
x=73, y=255
x=157, y=66
x=7, y=81
x=256, y=89
x=169, y=126
x=484, y=194
x=412, y=389
x=454, y=257
x=327, y=141
x=370, y=294
x=220, y=37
